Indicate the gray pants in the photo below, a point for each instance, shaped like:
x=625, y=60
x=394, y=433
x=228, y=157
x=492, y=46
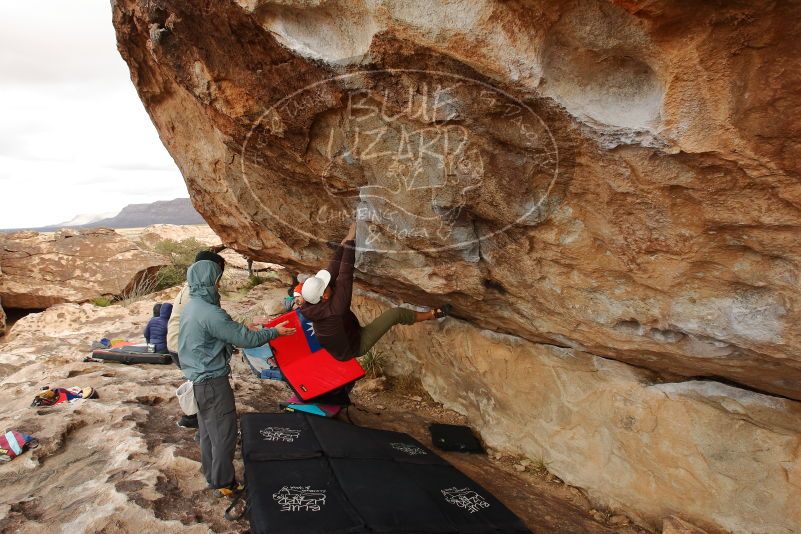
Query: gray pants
x=216, y=417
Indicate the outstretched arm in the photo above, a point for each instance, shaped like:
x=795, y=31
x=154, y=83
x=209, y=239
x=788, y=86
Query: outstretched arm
x=336, y=261
x=343, y=291
x=333, y=265
x=237, y=334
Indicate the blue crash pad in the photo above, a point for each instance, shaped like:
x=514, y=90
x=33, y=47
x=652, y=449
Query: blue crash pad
x=257, y=360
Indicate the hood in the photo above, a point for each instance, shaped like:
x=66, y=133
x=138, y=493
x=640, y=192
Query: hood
x=166, y=310
x=202, y=278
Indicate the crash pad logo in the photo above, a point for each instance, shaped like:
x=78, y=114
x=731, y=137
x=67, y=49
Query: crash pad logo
x=412, y=154
x=275, y=433
x=465, y=498
x=411, y=450
x=299, y=499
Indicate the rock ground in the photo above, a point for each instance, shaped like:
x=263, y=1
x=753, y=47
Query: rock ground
x=120, y=464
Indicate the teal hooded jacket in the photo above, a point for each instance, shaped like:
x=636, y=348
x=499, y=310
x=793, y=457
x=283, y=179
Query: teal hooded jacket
x=207, y=333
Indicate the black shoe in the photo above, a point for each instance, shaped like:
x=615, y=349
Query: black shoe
x=443, y=311
x=188, y=421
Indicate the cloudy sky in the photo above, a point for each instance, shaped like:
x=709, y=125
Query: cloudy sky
x=74, y=136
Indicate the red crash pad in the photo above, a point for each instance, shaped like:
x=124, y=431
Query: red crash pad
x=308, y=368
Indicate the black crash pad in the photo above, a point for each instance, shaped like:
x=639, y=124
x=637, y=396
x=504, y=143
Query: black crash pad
x=456, y=438
x=309, y=474
x=294, y=496
x=130, y=355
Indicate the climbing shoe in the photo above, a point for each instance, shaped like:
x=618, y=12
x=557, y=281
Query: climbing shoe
x=443, y=311
x=187, y=421
x=230, y=492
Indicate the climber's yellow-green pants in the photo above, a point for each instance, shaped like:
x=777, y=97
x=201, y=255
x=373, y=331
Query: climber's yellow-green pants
x=374, y=331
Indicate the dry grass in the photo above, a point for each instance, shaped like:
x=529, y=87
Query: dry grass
x=141, y=288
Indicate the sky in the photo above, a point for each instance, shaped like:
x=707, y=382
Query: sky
x=74, y=136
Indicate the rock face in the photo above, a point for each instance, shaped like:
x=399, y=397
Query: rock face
x=676, y=525
x=40, y=270
x=616, y=179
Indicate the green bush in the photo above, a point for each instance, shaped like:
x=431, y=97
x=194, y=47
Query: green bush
x=180, y=252
x=182, y=255
x=170, y=276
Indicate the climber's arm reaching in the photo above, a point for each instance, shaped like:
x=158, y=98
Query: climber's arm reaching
x=335, y=264
x=343, y=289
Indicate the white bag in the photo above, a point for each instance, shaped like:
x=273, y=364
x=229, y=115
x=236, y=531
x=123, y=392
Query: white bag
x=186, y=398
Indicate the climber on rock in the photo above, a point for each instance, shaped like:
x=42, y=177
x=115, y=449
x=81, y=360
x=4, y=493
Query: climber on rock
x=327, y=297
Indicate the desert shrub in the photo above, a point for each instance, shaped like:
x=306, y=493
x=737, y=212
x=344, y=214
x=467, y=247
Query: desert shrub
x=373, y=363
x=170, y=276
x=180, y=252
x=103, y=301
x=182, y=255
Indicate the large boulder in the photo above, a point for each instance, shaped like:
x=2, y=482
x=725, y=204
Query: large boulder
x=614, y=177
x=43, y=269
x=613, y=185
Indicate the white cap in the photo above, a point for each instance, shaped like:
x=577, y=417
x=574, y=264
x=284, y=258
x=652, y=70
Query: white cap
x=314, y=287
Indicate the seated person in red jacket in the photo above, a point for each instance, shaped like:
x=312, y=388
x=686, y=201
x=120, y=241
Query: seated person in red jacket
x=327, y=297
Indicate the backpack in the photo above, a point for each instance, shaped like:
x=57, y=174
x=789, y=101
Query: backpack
x=52, y=396
x=14, y=443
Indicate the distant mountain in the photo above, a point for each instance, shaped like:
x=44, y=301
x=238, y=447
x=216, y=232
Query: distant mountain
x=86, y=219
x=176, y=211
